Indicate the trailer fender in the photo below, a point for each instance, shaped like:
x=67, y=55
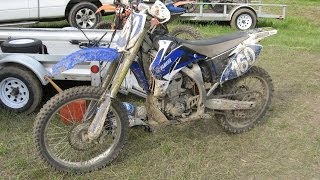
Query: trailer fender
x=32, y=64
x=236, y=8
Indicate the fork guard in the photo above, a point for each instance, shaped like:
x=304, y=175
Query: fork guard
x=85, y=55
x=225, y=104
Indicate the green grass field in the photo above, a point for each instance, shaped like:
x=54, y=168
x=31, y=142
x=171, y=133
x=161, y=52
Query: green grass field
x=286, y=146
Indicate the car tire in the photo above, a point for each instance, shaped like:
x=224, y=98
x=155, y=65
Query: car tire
x=22, y=45
x=83, y=16
x=20, y=89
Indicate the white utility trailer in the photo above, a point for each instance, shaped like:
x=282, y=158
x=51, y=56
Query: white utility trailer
x=23, y=75
x=241, y=16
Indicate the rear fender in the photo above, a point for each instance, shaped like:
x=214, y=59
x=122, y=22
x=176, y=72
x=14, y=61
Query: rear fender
x=85, y=55
x=26, y=61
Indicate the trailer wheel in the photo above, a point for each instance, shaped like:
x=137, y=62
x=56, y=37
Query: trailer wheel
x=83, y=16
x=20, y=89
x=22, y=45
x=243, y=19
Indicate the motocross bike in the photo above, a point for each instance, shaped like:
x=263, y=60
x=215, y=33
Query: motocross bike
x=123, y=11
x=85, y=128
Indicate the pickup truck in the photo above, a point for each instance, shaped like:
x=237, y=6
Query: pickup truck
x=79, y=13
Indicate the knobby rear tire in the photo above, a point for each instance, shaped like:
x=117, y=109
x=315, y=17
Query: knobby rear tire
x=186, y=30
x=263, y=76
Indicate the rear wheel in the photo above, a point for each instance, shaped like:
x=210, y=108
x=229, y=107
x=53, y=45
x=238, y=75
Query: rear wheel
x=186, y=32
x=62, y=123
x=256, y=85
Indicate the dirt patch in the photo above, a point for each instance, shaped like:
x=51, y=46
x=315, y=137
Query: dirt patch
x=316, y=116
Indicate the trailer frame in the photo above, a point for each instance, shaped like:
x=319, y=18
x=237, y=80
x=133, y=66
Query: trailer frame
x=228, y=13
x=60, y=43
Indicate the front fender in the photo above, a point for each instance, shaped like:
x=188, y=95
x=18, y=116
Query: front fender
x=85, y=55
x=35, y=66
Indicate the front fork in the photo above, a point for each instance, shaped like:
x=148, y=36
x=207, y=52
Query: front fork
x=104, y=102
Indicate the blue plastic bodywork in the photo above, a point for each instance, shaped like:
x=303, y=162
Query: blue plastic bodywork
x=175, y=60
x=85, y=55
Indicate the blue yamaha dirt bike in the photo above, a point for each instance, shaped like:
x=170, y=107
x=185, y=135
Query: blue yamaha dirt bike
x=84, y=128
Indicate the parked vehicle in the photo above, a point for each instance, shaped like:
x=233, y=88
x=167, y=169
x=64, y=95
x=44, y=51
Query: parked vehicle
x=241, y=14
x=79, y=13
x=85, y=128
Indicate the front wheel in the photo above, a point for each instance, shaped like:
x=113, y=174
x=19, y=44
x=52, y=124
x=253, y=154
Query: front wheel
x=256, y=85
x=62, y=123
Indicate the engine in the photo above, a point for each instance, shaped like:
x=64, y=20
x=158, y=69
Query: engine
x=176, y=103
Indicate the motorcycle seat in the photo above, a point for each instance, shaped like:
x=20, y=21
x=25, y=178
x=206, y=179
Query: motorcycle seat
x=215, y=46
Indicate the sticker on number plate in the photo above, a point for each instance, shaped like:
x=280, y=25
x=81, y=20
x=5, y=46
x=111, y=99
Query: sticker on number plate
x=241, y=62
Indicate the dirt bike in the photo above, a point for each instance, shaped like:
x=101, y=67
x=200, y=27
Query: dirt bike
x=123, y=11
x=85, y=128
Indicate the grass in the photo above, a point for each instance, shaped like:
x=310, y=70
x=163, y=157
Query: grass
x=286, y=146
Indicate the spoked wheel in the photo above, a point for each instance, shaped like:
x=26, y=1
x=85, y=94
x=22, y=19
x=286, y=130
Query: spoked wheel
x=255, y=85
x=61, y=127
x=186, y=32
